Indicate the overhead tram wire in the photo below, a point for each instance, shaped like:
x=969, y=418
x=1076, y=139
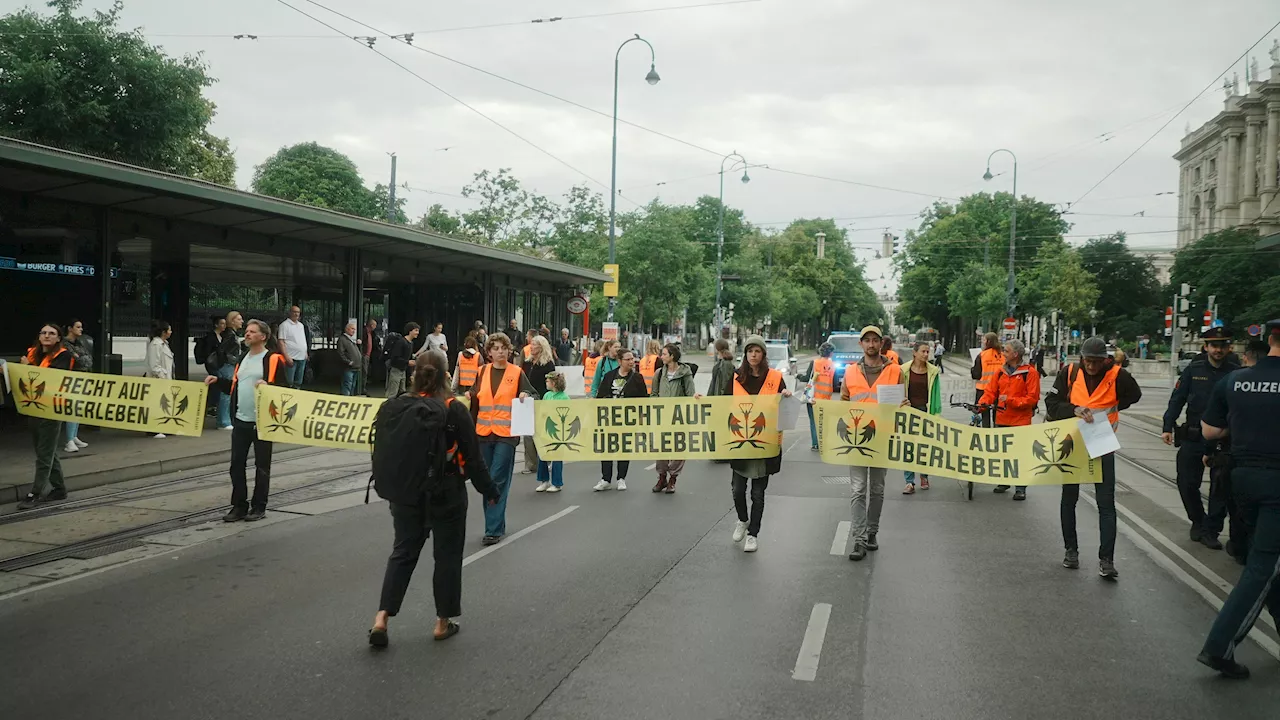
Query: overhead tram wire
x=1185, y=107
x=453, y=97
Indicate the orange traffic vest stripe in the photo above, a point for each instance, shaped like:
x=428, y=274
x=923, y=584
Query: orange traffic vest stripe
x=589, y=371
x=495, y=411
x=892, y=355
x=824, y=379
x=860, y=390
x=649, y=368
x=1103, y=398
x=528, y=351
x=48, y=359
x=468, y=369
x=772, y=382
x=276, y=360
x=992, y=361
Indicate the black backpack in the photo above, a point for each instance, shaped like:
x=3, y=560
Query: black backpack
x=411, y=449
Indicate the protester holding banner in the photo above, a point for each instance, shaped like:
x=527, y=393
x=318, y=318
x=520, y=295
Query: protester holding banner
x=861, y=383
x=47, y=352
x=467, y=367
x=623, y=381
x=922, y=383
x=81, y=348
x=262, y=364
x=536, y=367
x=492, y=397
x=1095, y=388
x=230, y=350
x=1014, y=392
x=608, y=362
x=649, y=363
x=159, y=356
x=417, y=515
x=672, y=379
x=551, y=474
x=754, y=377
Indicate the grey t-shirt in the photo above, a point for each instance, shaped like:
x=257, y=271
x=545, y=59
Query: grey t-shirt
x=246, y=382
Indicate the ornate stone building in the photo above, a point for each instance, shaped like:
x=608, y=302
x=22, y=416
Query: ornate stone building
x=1228, y=166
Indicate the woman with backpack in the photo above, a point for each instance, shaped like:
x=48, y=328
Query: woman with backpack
x=671, y=379
x=623, y=381
x=441, y=510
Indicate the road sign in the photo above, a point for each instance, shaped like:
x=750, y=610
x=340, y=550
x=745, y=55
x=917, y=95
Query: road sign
x=609, y=331
x=1075, y=333
x=1010, y=324
x=1208, y=320
x=1217, y=323
x=611, y=288
x=1254, y=330
x=576, y=305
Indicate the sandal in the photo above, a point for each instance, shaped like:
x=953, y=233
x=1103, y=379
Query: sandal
x=378, y=637
x=910, y=489
x=450, y=630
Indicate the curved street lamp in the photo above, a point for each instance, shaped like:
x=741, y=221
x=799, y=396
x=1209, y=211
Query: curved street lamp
x=651, y=78
x=1013, y=224
x=738, y=162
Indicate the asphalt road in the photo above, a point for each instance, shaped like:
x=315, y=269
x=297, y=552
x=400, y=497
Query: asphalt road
x=634, y=605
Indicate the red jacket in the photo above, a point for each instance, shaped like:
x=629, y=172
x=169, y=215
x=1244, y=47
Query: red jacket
x=1022, y=391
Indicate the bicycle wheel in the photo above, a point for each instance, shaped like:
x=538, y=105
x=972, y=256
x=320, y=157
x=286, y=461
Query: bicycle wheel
x=970, y=491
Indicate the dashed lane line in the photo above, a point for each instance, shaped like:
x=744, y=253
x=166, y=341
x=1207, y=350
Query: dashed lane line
x=811, y=647
x=516, y=536
x=841, y=541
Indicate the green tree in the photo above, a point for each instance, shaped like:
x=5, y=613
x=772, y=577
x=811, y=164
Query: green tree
x=382, y=200
x=1229, y=265
x=82, y=83
x=1071, y=289
x=508, y=216
x=313, y=174
x=439, y=220
x=706, y=216
x=580, y=234
x=1129, y=297
x=978, y=293
x=658, y=263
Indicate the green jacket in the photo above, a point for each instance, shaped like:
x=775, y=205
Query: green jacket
x=677, y=384
x=935, y=386
x=721, y=378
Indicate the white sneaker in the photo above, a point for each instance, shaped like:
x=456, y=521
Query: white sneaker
x=750, y=545
x=602, y=485
x=160, y=436
x=739, y=531
x=80, y=443
x=622, y=485
x=542, y=487
x=553, y=489
x=226, y=428
x=71, y=446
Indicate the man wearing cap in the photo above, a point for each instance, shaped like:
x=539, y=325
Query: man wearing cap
x=1193, y=390
x=1096, y=390
x=1246, y=407
x=861, y=382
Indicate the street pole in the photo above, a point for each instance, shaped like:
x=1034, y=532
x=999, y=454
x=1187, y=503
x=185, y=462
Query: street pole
x=720, y=232
x=652, y=78
x=391, y=190
x=1013, y=225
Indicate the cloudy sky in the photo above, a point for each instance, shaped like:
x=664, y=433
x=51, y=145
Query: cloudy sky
x=908, y=95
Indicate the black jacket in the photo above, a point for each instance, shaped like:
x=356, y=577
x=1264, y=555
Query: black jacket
x=635, y=387
x=1058, y=405
x=399, y=351
x=280, y=379
x=1193, y=390
x=230, y=350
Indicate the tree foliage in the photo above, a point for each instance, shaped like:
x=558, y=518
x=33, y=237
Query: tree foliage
x=313, y=174
x=508, y=216
x=83, y=84
x=438, y=219
x=1229, y=265
x=1129, y=296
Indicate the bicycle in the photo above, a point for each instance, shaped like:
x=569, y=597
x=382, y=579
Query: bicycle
x=978, y=417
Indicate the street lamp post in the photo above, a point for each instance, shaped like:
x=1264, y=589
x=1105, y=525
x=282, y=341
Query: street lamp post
x=738, y=160
x=1013, y=223
x=651, y=78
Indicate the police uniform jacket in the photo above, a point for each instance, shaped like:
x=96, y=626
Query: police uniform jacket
x=1193, y=390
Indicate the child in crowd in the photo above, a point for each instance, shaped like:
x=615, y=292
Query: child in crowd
x=551, y=474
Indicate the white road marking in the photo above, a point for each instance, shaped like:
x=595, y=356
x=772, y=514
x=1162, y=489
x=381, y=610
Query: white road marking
x=651, y=466
x=841, y=542
x=1174, y=569
x=811, y=648
x=516, y=536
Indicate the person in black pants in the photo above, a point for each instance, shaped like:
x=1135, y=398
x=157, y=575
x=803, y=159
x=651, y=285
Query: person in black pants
x=415, y=514
x=260, y=365
x=619, y=383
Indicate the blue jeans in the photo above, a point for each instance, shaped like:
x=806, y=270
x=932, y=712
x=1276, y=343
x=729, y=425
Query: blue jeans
x=296, y=373
x=910, y=475
x=224, y=400
x=500, y=458
x=552, y=472
x=349, y=381
x=813, y=429
x=72, y=429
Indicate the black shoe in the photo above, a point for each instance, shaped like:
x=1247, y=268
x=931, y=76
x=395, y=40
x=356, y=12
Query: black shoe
x=236, y=515
x=256, y=514
x=871, y=542
x=859, y=552
x=1107, y=569
x=58, y=494
x=490, y=540
x=1227, y=668
x=1000, y=489
x=1072, y=560
x=1195, y=533
x=378, y=638
x=1020, y=495
x=30, y=502
x=1211, y=541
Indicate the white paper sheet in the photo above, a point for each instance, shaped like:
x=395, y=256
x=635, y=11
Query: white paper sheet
x=890, y=394
x=974, y=353
x=4, y=373
x=522, y=417
x=788, y=413
x=1099, y=437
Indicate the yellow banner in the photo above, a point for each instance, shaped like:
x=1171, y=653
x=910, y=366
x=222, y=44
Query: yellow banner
x=725, y=427
x=301, y=417
x=902, y=438
x=173, y=407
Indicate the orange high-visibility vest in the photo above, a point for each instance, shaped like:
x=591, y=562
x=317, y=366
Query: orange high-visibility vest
x=892, y=355
x=824, y=379
x=649, y=368
x=468, y=369
x=528, y=351
x=269, y=372
x=495, y=411
x=589, y=373
x=860, y=390
x=48, y=359
x=1102, y=399
x=992, y=361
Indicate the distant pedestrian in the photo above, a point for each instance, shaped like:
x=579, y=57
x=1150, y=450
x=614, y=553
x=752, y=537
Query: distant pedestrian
x=440, y=511
x=399, y=352
x=295, y=343
x=467, y=367
x=482, y=335
x=436, y=340
x=754, y=377
x=939, y=350
x=862, y=381
x=923, y=390
x=564, y=348
x=890, y=355
x=649, y=362
x=371, y=351
x=230, y=350
x=516, y=337
x=722, y=370
x=618, y=383
x=261, y=364
x=492, y=399
x=540, y=363
x=590, y=361
x=821, y=379
x=349, y=354
x=47, y=352
x=159, y=355
x=551, y=474
x=672, y=379
x=526, y=351
x=81, y=348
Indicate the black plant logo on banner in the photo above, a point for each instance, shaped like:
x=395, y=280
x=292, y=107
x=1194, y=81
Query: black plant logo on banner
x=746, y=428
x=173, y=406
x=32, y=391
x=1055, y=455
x=855, y=434
x=564, y=431
x=282, y=414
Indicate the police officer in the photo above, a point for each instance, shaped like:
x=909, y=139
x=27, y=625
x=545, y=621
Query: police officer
x=1193, y=390
x=1246, y=407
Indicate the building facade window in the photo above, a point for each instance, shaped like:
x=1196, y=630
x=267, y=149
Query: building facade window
x=1213, y=166
x=1197, y=174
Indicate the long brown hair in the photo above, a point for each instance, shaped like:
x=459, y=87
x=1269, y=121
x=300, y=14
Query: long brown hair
x=744, y=370
x=431, y=375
